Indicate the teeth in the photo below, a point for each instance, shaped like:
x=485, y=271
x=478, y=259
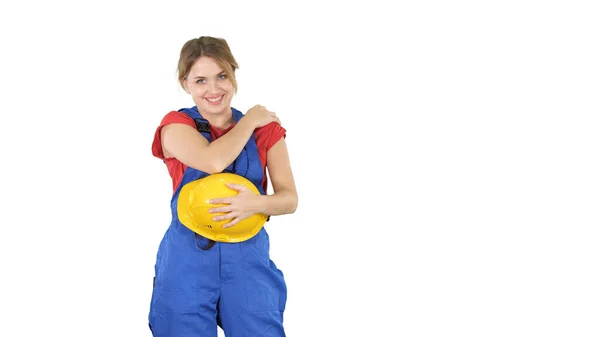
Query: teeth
x=214, y=99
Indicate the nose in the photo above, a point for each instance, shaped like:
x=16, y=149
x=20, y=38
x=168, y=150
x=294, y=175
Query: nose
x=213, y=87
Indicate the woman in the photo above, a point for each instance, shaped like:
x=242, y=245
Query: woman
x=200, y=284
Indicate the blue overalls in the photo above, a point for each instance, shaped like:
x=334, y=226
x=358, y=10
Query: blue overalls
x=234, y=285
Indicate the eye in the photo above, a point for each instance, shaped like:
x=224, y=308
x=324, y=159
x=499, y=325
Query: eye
x=201, y=81
x=222, y=77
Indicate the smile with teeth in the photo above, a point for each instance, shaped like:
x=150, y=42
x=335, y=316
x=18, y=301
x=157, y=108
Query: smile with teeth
x=215, y=100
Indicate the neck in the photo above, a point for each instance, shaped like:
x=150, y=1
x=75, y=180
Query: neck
x=220, y=121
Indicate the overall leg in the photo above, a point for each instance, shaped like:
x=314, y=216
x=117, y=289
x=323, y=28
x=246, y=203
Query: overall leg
x=253, y=290
x=186, y=288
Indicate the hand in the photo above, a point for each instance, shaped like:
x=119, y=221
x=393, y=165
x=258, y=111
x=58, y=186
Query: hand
x=238, y=207
x=260, y=116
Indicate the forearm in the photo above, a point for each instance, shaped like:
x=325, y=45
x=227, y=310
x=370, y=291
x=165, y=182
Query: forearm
x=227, y=148
x=281, y=202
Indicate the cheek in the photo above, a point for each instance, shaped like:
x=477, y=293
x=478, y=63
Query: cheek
x=228, y=86
x=197, y=91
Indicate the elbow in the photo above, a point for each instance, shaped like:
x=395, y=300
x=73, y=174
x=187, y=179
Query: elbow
x=217, y=166
x=293, y=209
x=211, y=167
x=214, y=168
x=209, y=162
x=293, y=203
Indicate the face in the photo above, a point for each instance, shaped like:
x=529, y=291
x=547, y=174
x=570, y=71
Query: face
x=209, y=87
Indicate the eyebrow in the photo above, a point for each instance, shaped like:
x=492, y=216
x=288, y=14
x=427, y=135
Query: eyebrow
x=201, y=77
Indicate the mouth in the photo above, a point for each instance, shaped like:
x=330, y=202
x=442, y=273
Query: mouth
x=215, y=100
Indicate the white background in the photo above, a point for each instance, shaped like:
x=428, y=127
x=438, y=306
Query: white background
x=446, y=156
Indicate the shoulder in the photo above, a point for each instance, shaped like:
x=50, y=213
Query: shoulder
x=268, y=135
x=176, y=117
x=170, y=118
x=265, y=136
x=271, y=128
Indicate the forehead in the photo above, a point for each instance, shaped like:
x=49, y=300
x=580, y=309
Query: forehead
x=205, y=66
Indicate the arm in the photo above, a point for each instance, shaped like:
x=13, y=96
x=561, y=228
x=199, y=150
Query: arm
x=284, y=200
x=191, y=148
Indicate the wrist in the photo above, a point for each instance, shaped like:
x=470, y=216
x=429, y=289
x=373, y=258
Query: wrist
x=248, y=122
x=260, y=204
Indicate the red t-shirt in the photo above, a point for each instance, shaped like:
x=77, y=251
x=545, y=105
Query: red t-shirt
x=265, y=137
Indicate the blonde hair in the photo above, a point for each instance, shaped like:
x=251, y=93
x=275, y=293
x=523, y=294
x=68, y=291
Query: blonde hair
x=215, y=48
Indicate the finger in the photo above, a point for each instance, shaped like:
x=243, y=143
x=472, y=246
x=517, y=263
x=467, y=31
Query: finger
x=231, y=223
x=237, y=187
x=221, y=201
x=223, y=209
x=222, y=217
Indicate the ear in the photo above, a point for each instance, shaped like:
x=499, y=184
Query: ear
x=184, y=84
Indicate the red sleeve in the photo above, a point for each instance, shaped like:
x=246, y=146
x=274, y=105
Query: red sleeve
x=268, y=135
x=174, y=166
x=265, y=138
x=171, y=117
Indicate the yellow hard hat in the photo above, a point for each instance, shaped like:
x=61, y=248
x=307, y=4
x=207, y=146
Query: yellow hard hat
x=194, y=202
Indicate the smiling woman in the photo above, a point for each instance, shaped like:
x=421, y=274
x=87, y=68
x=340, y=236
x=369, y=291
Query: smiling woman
x=207, y=74
x=199, y=283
